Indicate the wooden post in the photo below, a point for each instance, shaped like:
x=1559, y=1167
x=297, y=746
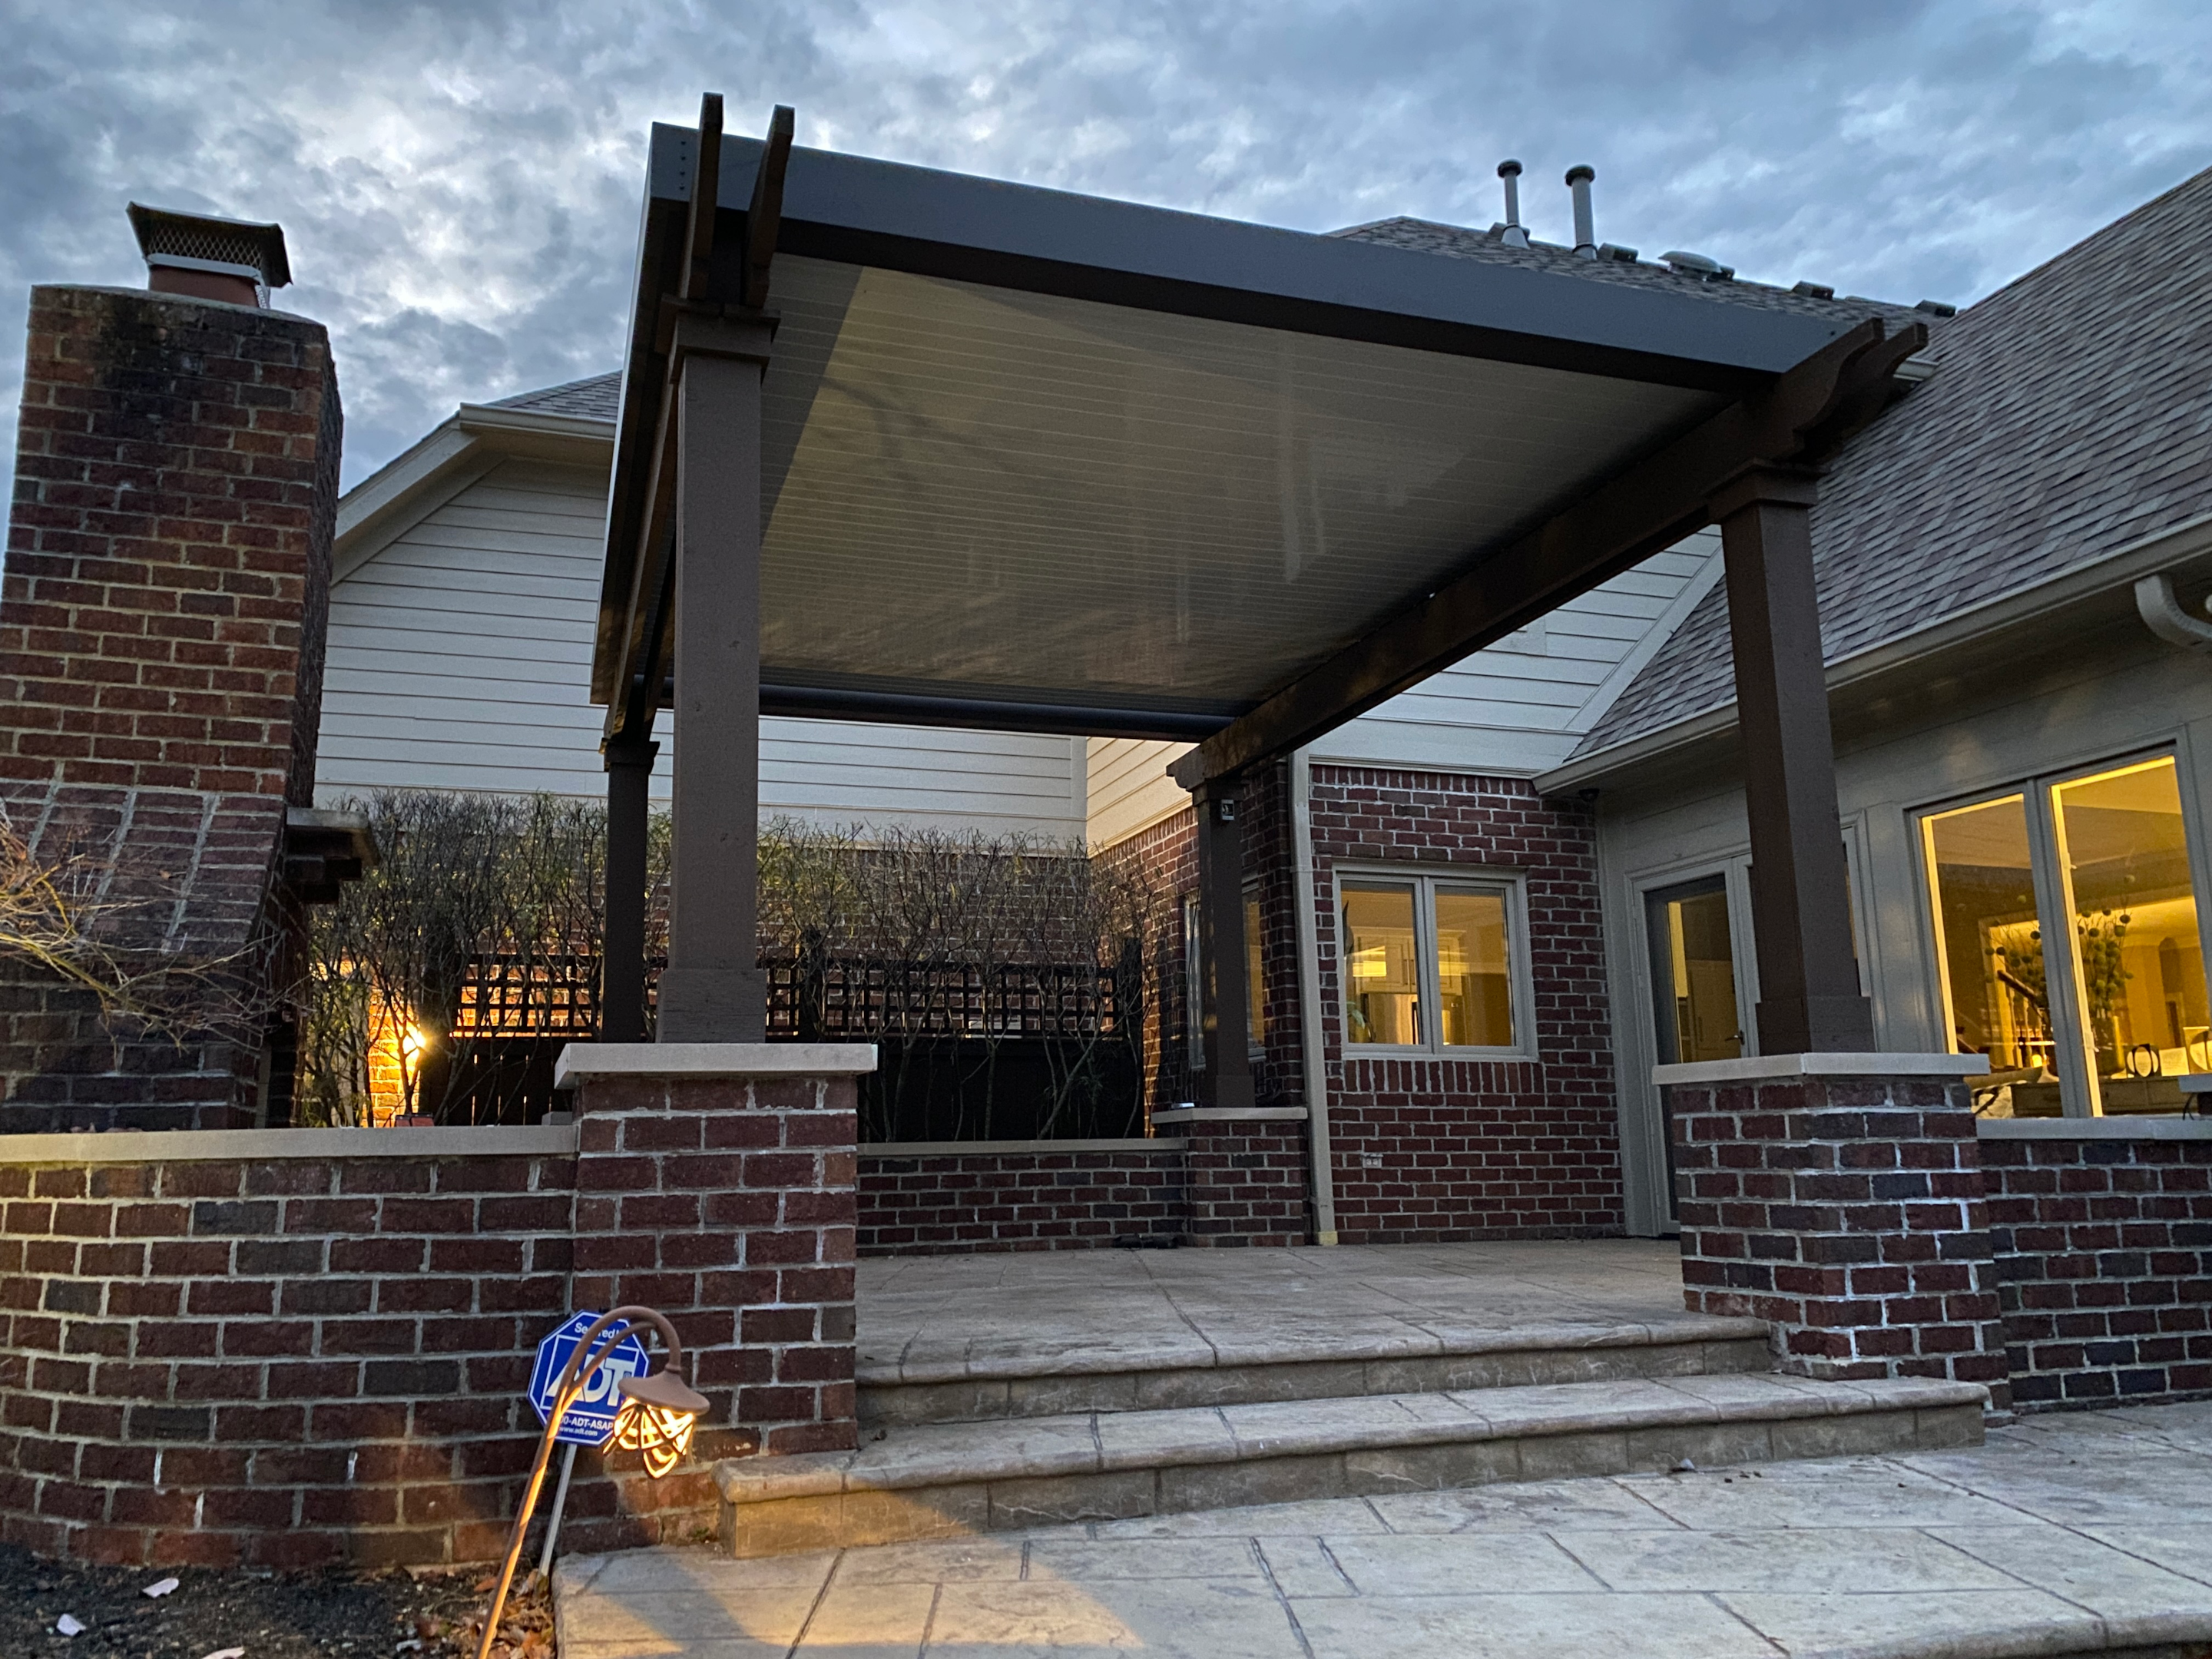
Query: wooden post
x=1808, y=990
x=1226, y=1080
x=713, y=990
x=621, y=957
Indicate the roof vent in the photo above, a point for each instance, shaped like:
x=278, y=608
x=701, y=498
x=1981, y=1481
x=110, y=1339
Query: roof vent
x=1814, y=290
x=1613, y=250
x=207, y=257
x=1512, y=235
x=1579, y=180
x=1696, y=265
x=1936, y=309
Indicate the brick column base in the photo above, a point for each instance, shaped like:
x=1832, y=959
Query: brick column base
x=715, y=1182
x=1839, y=1197
x=1248, y=1173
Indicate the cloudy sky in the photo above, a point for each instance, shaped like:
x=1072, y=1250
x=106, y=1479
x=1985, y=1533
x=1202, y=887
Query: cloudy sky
x=459, y=184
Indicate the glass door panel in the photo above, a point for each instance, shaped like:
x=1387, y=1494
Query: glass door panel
x=1382, y=961
x=1693, y=974
x=2137, y=957
x=1988, y=943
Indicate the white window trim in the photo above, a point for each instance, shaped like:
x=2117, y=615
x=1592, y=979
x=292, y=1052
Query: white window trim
x=1425, y=879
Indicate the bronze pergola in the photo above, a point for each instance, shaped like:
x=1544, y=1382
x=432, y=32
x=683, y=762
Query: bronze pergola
x=1007, y=458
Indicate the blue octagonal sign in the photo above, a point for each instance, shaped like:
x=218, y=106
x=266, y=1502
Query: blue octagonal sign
x=591, y=1421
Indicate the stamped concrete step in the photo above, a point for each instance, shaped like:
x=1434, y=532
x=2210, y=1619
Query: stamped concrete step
x=989, y=1383
x=944, y=1480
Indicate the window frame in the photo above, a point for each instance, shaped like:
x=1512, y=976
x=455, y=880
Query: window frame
x=1425, y=879
x=2079, y=1092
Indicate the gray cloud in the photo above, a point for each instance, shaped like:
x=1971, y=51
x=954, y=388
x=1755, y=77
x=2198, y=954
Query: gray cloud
x=459, y=183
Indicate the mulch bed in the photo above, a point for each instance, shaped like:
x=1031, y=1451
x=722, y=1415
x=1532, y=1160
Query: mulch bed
x=271, y=1616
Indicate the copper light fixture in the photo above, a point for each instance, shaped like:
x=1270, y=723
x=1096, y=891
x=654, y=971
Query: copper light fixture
x=658, y=1414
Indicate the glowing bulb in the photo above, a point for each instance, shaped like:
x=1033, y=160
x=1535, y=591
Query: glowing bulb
x=661, y=1434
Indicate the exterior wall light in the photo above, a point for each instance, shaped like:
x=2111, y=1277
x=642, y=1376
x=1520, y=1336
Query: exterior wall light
x=659, y=1412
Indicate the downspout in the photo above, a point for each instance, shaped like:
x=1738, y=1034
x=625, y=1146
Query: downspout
x=1310, y=1015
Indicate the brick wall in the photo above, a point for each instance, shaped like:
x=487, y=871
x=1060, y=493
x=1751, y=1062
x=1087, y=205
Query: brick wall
x=291, y=1359
x=1250, y=1183
x=727, y=1204
x=1848, y=1213
x=1167, y=854
x=2104, y=1263
x=1022, y=1196
x=1448, y=1149
x=163, y=616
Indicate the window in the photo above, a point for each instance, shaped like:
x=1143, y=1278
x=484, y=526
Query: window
x=1255, y=991
x=2108, y=1020
x=1431, y=963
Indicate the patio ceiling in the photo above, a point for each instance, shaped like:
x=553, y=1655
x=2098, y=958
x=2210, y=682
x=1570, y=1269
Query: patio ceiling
x=1042, y=461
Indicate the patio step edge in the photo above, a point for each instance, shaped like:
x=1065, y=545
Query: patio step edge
x=1124, y=1358
x=943, y=1456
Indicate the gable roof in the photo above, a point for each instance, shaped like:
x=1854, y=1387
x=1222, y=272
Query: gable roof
x=2069, y=418
x=598, y=399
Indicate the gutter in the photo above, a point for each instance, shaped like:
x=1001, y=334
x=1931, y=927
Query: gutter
x=2119, y=570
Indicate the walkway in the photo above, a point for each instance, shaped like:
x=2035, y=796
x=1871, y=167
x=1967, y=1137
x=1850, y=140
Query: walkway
x=950, y=1316
x=2065, y=1535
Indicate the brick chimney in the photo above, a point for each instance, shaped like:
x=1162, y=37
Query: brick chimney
x=163, y=616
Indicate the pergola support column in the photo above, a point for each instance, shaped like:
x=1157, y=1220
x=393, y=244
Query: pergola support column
x=713, y=990
x=1226, y=1078
x=1808, y=990
x=621, y=959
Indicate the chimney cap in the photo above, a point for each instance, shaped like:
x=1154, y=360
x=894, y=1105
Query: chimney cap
x=1509, y=168
x=1578, y=173
x=201, y=241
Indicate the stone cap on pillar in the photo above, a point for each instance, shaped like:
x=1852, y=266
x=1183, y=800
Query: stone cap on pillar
x=1767, y=1068
x=580, y=1062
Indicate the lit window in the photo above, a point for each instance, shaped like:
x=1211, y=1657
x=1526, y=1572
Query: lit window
x=2119, y=1013
x=1256, y=983
x=2138, y=967
x=1429, y=962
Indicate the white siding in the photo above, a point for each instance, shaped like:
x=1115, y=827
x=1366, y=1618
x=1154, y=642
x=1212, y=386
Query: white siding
x=1130, y=789
x=1520, y=706
x=460, y=657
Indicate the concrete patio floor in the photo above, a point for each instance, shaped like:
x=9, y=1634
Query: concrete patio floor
x=2065, y=1535
x=951, y=1316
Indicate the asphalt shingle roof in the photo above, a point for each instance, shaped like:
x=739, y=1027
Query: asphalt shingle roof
x=598, y=399
x=1458, y=242
x=2069, y=418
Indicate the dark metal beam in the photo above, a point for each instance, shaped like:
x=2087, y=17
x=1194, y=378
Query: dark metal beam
x=1649, y=506
x=622, y=956
x=978, y=714
x=932, y=223
x=713, y=990
x=1810, y=1000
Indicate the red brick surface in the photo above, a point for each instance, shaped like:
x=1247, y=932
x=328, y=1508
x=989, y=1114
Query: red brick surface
x=983, y=1198
x=2104, y=1258
x=727, y=1204
x=1450, y=1149
x=285, y=1363
x=162, y=615
x=1849, y=1214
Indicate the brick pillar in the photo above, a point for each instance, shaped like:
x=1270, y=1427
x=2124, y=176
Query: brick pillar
x=1839, y=1197
x=716, y=1181
x=1248, y=1174
x=162, y=617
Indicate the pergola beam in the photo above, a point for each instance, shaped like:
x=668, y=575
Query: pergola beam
x=1651, y=504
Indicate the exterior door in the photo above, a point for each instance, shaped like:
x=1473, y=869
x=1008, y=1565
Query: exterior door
x=1696, y=1011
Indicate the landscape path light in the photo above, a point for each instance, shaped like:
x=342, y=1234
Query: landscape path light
x=659, y=1411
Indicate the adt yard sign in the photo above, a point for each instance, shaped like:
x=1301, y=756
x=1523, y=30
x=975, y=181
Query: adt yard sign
x=591, y=1421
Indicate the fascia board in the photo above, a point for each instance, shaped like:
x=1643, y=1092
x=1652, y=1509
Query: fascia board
x=2115, y=573
x=577, y=438
x=397, y=496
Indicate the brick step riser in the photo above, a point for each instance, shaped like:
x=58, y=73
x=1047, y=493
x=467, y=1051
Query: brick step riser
x=903, y=1405
x=786, y=1526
